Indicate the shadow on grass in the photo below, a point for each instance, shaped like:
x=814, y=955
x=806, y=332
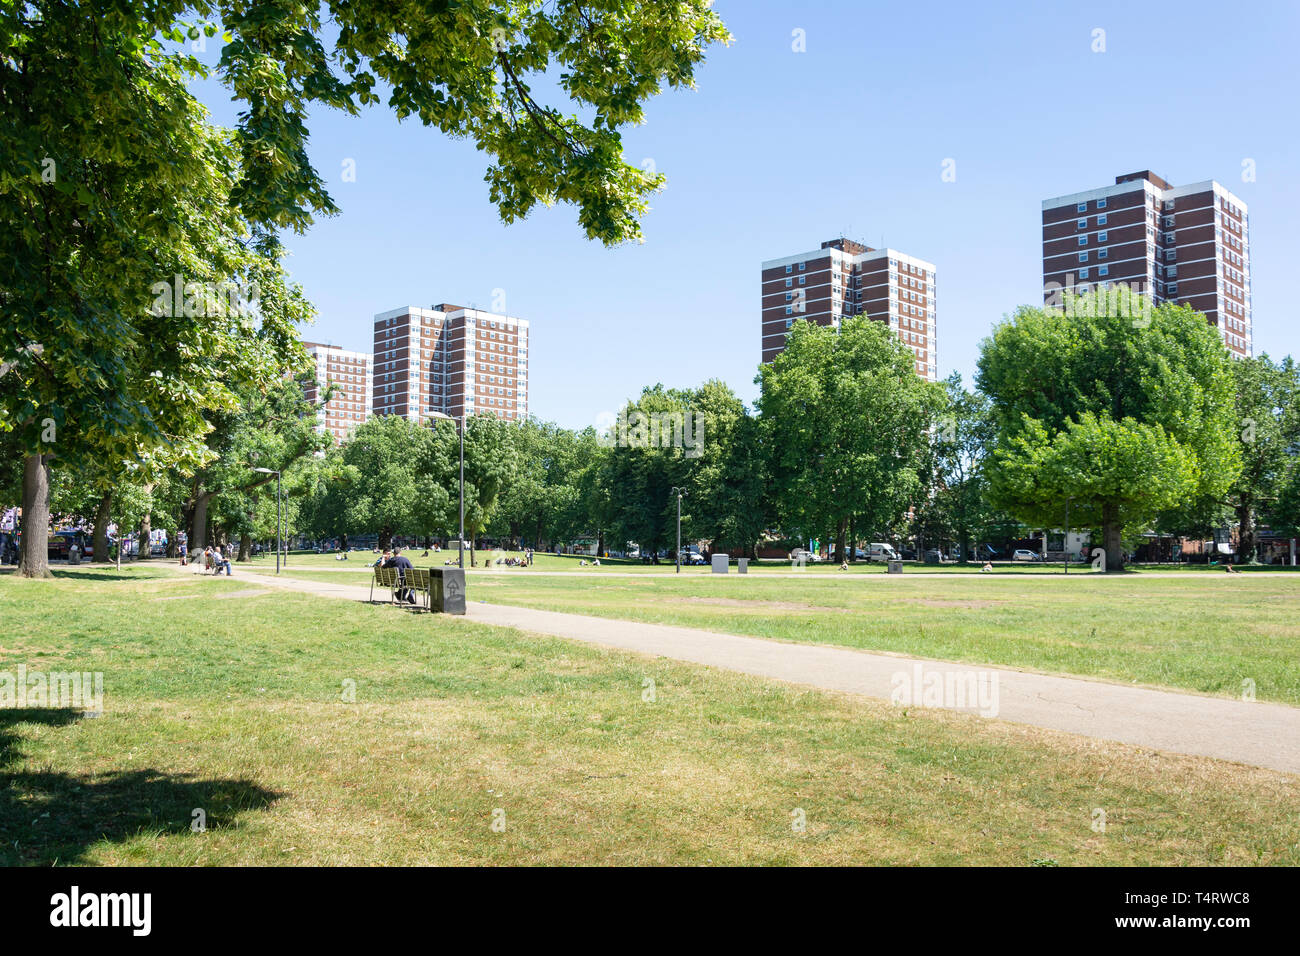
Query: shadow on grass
x=104, y=575
x=48, y=818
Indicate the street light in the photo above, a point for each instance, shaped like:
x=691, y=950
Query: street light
x=1066, y=543
x=679, y=492
x=460, y=430
x=271, y=471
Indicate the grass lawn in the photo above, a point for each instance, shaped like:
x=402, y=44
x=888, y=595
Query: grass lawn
x=230, y=703
x=1204, y=633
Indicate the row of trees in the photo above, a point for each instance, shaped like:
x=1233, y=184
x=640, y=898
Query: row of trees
x=1139, y=427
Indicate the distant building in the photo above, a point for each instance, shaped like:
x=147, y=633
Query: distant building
x=349, y=372
x=847, y=278
x=1186, y=244
x=452, y=360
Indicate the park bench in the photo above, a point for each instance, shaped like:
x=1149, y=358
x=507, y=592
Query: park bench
x=417, y=580
x=420, y=581
x=385, y=578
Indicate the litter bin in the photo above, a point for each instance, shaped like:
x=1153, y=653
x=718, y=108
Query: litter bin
x=447, y=590
x=720, y=562
x=895, y=566
x=742, y=565
x=74, y=555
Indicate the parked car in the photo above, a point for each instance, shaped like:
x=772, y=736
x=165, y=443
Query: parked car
x=809, y=557
x=1024, y=554
x=984, y=552
x=934, y=556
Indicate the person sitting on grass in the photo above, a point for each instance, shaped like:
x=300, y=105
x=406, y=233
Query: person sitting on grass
x=582, y=563
x=987, y=567
x=1227, y=566
x=844, y=565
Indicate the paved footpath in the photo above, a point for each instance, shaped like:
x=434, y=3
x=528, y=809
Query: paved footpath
x=1262, y=734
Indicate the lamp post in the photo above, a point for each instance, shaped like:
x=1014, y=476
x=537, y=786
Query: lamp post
x=679, y=492
x=1066, y=543
x=460, y=429
x=271, y=471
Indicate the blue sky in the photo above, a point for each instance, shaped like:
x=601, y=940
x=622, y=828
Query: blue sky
x=777, y=150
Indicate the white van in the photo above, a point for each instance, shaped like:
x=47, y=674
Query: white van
x=879, y=551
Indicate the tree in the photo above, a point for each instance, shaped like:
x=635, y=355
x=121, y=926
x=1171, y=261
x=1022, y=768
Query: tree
x=648, y=458
x=954, y=504
x=545, y=466
x=489, y=466
x=384, y=480
x=846, y=418
x=114, y=185
x=1265, y=393
x=1122, y=408
x=727, y=472
x=273, y=427
x=591, y=506
x=466, y=69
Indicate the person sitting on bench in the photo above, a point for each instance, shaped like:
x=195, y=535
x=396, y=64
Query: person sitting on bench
x=403, y=564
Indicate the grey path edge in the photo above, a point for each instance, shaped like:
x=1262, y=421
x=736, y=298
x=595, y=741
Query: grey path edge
x=1249, y=732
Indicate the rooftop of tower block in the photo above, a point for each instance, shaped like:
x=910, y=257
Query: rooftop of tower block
x=1143, y=174
x=847, y=245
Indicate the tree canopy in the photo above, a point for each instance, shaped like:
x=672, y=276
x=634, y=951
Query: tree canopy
x=1125, y=417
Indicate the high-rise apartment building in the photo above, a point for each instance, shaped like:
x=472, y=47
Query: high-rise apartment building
x=1186, y=244
x=349, y=372
x=846, y=278
x=452, y=360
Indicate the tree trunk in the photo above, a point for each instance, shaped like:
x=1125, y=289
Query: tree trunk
x=170, y=552
x=143, y=552
x=99, y=546
x=1112, y=538
x=385, y=537
x=199, y=522
x=600, y=545
x=1246, y=532
x=853, y=539
x=839, y=538
x=245, y=545
x=34, y=554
